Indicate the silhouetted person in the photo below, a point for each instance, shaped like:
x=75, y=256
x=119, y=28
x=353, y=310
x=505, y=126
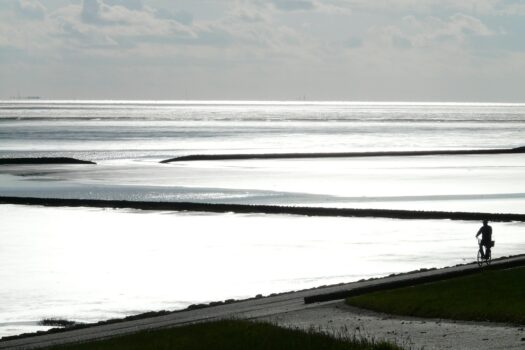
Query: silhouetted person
x=486, y=239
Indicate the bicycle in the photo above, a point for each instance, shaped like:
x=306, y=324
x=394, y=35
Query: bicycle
x=484, y=257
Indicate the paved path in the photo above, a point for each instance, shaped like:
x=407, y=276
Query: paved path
x=290, y=310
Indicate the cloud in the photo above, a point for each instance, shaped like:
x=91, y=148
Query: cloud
x=252, y=28
x=353, y=42
x=435, y=7
x=466, y=25
x=326, y=46
x=517, y=9
x=416, y=6
x=180, y=16
x=458, y=27
x=319, y=6
x=30, y=9
x=293, y=5
x=97, y=24
x=91, y=11
x=130, y=4
x=430, y=32
x=250, y=12
x=77, y=38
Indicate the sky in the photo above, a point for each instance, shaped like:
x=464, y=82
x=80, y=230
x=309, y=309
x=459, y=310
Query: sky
x=352, y=50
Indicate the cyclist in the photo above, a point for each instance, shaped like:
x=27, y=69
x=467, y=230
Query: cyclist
x=486, y=239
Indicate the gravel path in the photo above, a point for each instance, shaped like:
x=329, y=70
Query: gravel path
x=408, y=332
x=291, y=311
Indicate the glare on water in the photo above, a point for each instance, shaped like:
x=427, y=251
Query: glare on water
x=91, y=264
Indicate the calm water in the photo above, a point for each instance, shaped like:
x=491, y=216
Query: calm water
x=127, y=139
x=92, y=264
x=82, y=264
x=135, y=130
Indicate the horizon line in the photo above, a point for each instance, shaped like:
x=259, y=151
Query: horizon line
x=252, y=101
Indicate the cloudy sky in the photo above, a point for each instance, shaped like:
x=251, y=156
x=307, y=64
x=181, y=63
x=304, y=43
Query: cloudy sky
x=408, y=50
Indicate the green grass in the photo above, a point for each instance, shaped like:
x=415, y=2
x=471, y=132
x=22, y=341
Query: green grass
x=497, y=296
x=230, y=335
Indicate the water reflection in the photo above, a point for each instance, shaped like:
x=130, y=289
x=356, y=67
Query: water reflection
x=92, y=264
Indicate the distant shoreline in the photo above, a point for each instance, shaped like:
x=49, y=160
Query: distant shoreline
x=262, y=209
x=196, y=157
x=43, y=160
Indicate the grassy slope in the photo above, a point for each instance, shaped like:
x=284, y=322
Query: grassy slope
x=488, y=296
x=228, y=335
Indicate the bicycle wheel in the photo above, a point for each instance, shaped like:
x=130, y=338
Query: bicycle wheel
x=480, y=259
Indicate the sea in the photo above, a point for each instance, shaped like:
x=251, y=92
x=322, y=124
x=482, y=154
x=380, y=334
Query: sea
x=89, y=264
